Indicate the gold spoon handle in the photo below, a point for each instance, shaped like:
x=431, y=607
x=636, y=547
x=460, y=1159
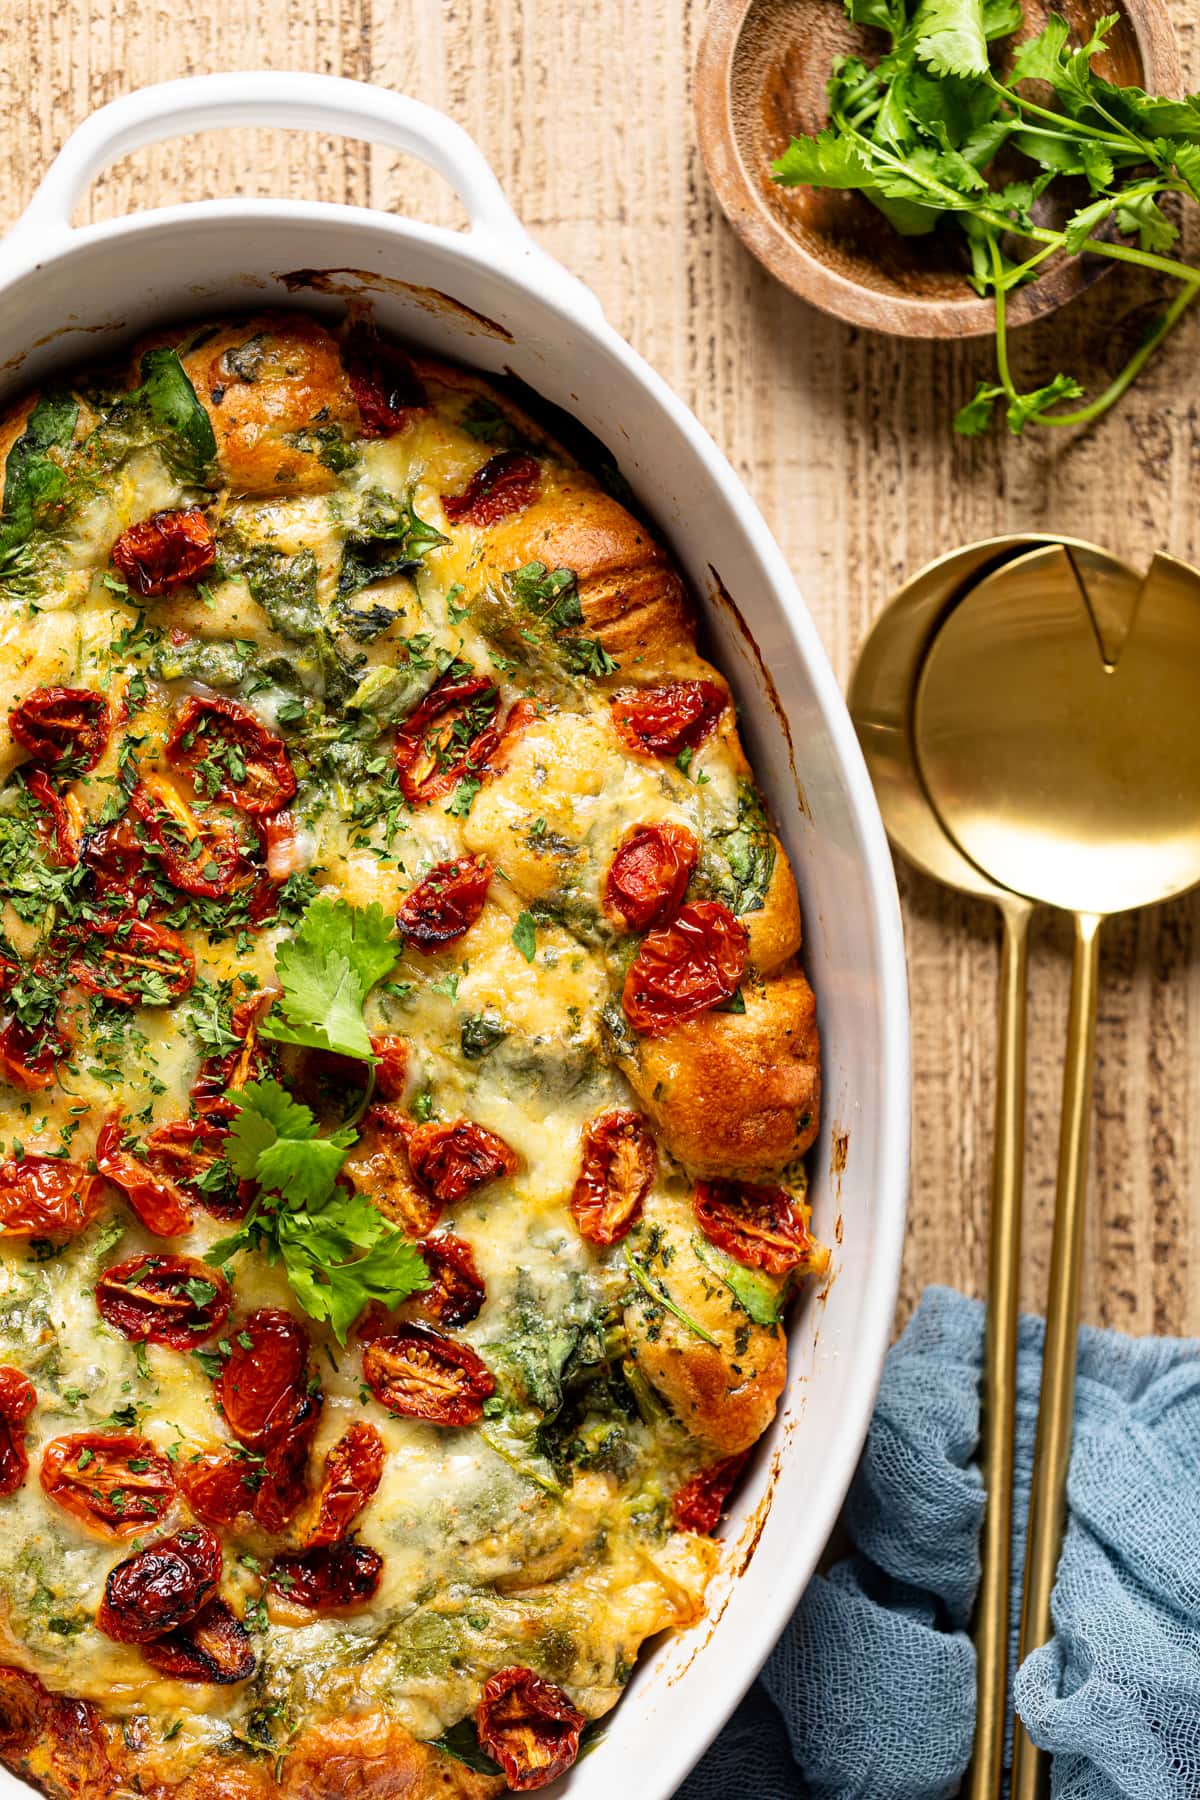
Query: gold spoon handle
x=1000, y=1359
x=1056, y=1409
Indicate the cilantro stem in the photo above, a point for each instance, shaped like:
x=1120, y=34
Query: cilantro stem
x=1001, y=321
x=1122, y=138
x=1085, y=414
x=658, y=1293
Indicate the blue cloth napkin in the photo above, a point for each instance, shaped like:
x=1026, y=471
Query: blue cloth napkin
x=870, y=1693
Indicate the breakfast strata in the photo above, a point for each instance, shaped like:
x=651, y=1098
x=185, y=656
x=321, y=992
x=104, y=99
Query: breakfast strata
x=406, y=1069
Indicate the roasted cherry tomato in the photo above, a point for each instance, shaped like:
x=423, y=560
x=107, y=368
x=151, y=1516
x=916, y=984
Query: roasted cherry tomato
x=529, y=1727
x=214, y=1646
x=161, y=1587
x=283, y=1484
x=29, y=1057
x=385, y=385
x=17, y=1401
x=280, y=845
x=190, y=1154
x=328, y=1579
x=457, y=1293
x=158, y=1202
x=662, y=721
x=252, y=1060
x=450, y=734
x=131, y=962
x=116, y=1484
x=451, y=1161
x=263, y=1384
x=618, y=1167
x=61, y=824
x=686, y=967
x=23, y=1701
x=172, y=1300
x=63, y=728
x=219, y=1488
x=699, y=1503
x=121, y=868
x=649, y=873
x=46, y=1196
x=378, y=1167
x=166, y=551
x=446, y=903
x=420, y=1374
x=507, y=483
x=231, y=756
x=353, y=1471
x=759, y=1226
x=196, y=858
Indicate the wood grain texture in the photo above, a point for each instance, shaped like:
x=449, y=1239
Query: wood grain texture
x=844, y=438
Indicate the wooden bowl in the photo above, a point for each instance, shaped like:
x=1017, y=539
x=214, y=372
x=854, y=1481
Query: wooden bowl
x=761, y=77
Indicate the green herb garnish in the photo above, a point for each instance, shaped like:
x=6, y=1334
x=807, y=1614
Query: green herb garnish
x=917, y=135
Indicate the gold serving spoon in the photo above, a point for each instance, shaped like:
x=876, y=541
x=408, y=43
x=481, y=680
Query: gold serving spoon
x=1055, y=732
x=881, y=698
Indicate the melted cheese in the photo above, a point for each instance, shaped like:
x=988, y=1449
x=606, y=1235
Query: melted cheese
x=485, y=1563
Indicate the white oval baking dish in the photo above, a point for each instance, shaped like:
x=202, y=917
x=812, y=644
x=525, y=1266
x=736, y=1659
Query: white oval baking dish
x=491, y=297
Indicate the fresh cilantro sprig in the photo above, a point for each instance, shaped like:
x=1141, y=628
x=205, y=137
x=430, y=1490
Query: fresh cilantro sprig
x=327, y=970
x=917, y=134
x=338, y=1251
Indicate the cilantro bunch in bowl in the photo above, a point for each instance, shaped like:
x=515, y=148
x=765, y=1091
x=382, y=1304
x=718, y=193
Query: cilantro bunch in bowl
x=924, y=133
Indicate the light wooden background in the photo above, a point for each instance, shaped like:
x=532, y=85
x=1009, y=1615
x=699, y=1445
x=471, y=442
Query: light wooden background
x=585, y=112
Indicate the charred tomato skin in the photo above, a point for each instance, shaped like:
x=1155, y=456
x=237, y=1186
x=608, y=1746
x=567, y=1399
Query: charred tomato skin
x=332, y=1578
x=444, y=905
x=261, y=1390
x=161, y=1587
x=685, y=968
x=165, y=552
x=450, y=1161
x=153, y=1197
x=111, y=951
x=418, y=1373
x=648, y=876
x=659, y=722
x=507, y=483
x=145, y=1298
x=267, y=781
x=114, y=1483
x=383, y=381
x=47, y=1196
x=213, y=1647
x=353, y=1471
x=758, y=1226
x=699, y=1503
x=17, y=1401
x=618, y=1165
x=61, y=725
x=529, y=1726
x=457, y=1291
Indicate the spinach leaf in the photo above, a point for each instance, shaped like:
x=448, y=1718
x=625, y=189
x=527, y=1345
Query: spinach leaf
x=738, y=864
x=536, y=612
x=284, y=586
x=462, y=1742
x=33, y=481
x=187, y=439
x=389, y=538
x=480, y=1033
x=753, y=1292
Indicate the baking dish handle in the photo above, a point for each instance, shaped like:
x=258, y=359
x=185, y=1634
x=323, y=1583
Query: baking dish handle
x=299, y=102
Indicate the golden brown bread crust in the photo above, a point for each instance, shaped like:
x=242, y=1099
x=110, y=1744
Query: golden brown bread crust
x=724, y=1393
x=365, y=1756
x=632, y=599
x=736, y=1093
x=292, y=381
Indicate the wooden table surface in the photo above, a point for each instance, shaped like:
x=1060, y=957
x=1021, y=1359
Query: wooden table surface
x=843, y=438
